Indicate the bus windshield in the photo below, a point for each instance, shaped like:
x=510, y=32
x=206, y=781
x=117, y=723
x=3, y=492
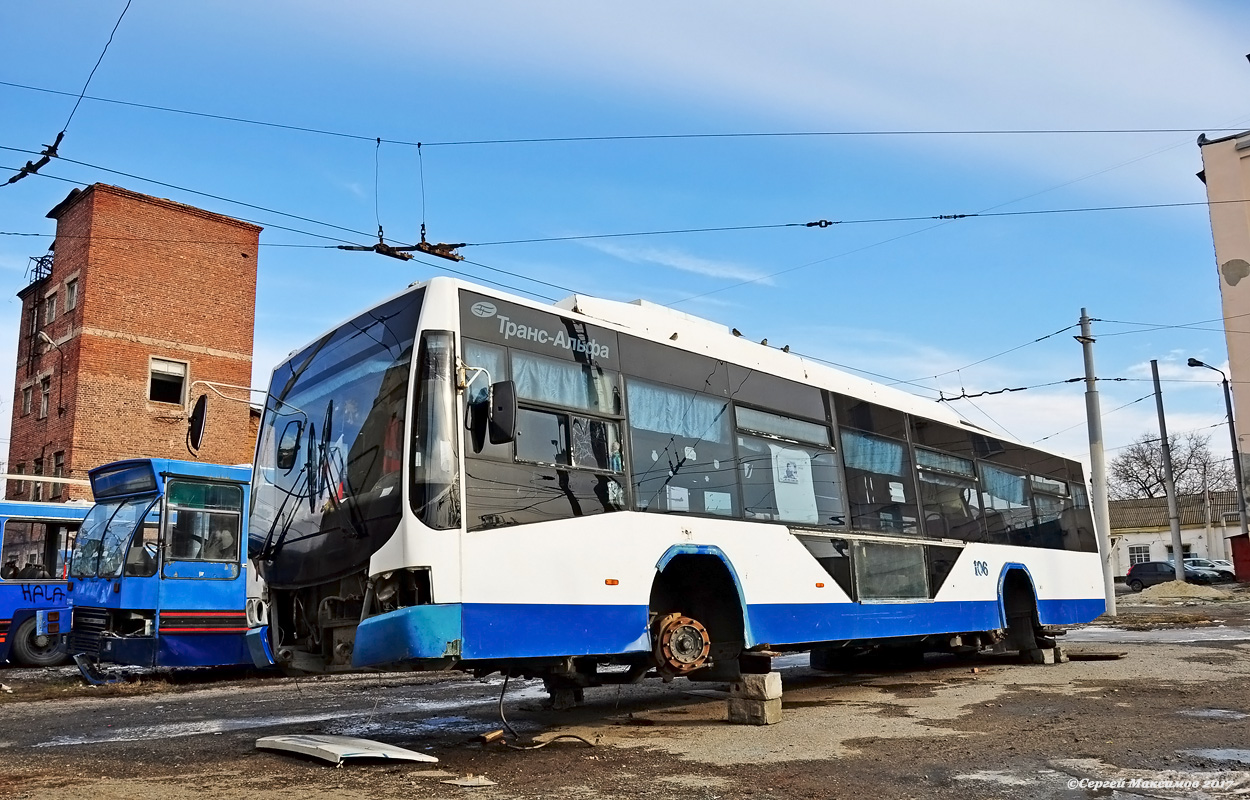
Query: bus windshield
x=101, y=546
x=330, y=452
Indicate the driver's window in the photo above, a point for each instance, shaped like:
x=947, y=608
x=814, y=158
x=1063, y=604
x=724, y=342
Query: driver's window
x=141, y=559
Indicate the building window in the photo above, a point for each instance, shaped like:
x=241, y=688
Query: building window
x=58, y=471
x=20, y=488
x=1186, y=551
x=45, y=395
x=1138, y=554
x=49, y=309
x=34, y=316
x=37, y=489
x=71, y=294
x=167, y=381
x=26, y=395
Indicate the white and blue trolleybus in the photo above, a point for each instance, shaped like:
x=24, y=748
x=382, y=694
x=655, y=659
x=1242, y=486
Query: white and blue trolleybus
x=592, y=490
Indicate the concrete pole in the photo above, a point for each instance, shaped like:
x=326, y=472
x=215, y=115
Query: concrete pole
x=1097, y=466
x=1169, y=485
x=1241, y=485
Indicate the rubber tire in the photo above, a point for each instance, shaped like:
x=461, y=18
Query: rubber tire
x=1136, y=586
x=26, y=651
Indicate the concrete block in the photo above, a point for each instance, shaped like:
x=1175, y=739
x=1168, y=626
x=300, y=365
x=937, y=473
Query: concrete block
x=758, y=687
x=1060, y=656
x=1038, y=656
x=754, y=712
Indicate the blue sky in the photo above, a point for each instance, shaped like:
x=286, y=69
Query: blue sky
x=909, y=300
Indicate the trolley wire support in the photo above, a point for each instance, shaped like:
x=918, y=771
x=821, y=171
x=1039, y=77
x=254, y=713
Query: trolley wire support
x=404, y=252
x=32, y=167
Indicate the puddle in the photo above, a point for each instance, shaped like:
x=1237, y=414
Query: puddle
x=395, y=727
x=1001, y=777
x=1214, y=713
x=377, y=718
x=1220, y=754
x=1219, y=633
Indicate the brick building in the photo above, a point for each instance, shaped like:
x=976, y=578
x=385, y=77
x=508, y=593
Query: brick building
x=140, y=298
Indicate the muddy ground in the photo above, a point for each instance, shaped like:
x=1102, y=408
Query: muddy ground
x=1175, y=707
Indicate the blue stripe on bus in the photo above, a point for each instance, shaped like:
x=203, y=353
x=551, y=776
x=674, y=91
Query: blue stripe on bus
x=524, y=631
x=505, y=631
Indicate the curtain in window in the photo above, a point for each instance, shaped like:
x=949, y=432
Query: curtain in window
x=871, y=454
x=676, y=412
x=1003, y=485
x=943, y=461
x=562, y=383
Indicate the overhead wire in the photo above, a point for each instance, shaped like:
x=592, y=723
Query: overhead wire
x=319, y=235
x=619, y=137
x=1104, y=414
x=1003, y=353
x=99, y=60
x=49, y=151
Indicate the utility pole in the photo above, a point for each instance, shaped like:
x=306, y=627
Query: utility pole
x=1169, y=485
x=1097, y=466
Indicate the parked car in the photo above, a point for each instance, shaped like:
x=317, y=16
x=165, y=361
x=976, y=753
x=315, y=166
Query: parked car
x=1148, y=573
x=1224, y=568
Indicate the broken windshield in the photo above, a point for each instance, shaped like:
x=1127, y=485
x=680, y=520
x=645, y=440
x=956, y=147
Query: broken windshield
x=101, y=546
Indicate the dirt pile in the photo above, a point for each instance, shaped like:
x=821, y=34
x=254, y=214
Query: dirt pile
x=1179, y=590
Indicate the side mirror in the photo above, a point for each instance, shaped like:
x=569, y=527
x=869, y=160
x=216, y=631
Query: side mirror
x=502, y=423
x=288, y=445
x=195, y=423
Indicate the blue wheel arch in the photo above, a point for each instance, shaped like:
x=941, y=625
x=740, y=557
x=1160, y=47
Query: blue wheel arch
x=715, y=552
x=1009, y=567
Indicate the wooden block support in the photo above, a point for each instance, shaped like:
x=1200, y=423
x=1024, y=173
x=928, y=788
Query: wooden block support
x=758, y=687
x=754, y=712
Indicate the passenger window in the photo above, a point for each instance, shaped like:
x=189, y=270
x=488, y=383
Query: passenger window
x=32, y=550
x=681, y=450
x=202, y=521
x=565, y=383
x=879, y=489
x=1005, y=499
x=788, y=471
x=948, y=496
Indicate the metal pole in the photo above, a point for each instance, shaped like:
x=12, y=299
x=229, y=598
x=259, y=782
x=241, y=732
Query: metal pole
x=1097, y=466
x=1169, y=485
x=1232, y=434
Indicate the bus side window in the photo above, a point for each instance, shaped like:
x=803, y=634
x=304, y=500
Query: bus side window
x=681, y=450
x=879, y=487
x=31, y=550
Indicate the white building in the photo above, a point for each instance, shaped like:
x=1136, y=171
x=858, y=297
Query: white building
x=1140, y=530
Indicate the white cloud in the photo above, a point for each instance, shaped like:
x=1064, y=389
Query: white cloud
x=681, y=260
x=973, y=64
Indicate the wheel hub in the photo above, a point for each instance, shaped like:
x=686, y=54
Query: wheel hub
x=682, y=644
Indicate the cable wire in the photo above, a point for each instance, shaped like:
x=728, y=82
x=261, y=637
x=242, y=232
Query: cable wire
x=508, y=726
x=621, y=137
x=97, y=66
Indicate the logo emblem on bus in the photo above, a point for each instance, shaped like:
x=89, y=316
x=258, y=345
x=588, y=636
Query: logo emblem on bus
x=483, y=309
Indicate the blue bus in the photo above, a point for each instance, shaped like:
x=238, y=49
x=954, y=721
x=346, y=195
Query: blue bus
x=459, y=478
x=35, y=539
x=157, y=576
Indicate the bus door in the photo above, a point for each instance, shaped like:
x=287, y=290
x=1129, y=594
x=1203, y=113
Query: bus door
x=201, y=619
x=33, y=556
